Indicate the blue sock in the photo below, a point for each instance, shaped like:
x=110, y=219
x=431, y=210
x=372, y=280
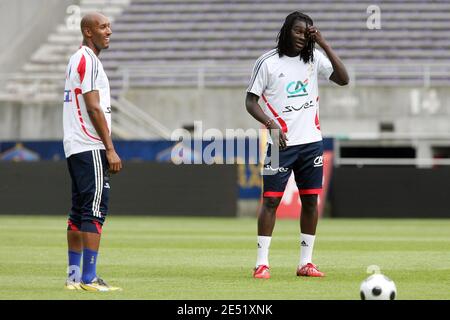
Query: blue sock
x=89, y=265
x=74, y=270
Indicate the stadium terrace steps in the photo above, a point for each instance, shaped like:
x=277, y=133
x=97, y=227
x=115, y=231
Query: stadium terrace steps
x=53, y=69
x=221, y=54
x=282, y=6
x=152, y=17
x=42, y=77
x=220, y=31
x=155, y=32
x=220, y=25
x=237, y=34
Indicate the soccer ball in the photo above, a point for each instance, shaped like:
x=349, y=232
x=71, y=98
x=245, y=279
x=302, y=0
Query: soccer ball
x=378, y=287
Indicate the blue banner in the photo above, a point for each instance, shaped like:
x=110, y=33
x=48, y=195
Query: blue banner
x=228, y=151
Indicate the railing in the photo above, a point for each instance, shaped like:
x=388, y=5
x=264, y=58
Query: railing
x=214, y=74
x=378, y=74
x=131, y=122
x=32, y=86
x=203, y=75
x=422, y=142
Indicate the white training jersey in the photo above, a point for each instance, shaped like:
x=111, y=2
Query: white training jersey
x=84, y=73
x=289, y=89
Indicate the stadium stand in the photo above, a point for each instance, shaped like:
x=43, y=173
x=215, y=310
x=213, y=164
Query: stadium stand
x=414, y=37
x=213, y=44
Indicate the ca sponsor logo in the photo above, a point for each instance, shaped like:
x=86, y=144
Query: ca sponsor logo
x=318, y=161
x=297, y=88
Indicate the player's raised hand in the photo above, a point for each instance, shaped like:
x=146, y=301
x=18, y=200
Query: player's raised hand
x=114, y=162
x=315, y=35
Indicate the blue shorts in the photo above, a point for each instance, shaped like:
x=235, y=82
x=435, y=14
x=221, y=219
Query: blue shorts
x=90, y=187
x=306, y=160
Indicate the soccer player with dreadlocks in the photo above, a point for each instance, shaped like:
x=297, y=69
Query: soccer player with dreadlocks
x=287, y=80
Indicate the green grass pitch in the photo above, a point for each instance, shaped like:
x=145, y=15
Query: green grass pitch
x=212, y=258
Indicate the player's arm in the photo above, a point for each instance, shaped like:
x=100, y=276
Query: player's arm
x=252, y=105
x=339, y=75
x=92, y=100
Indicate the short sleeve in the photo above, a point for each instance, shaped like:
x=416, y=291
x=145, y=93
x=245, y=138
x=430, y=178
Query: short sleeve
x=260, y=78
x=324, y=66
x=87, y=70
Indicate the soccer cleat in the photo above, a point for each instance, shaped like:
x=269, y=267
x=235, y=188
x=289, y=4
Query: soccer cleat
x=261, y=272
x=309, y=270
x=97, y=285
x=72, y=285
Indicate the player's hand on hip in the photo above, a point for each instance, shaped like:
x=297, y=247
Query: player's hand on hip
x=114, y=162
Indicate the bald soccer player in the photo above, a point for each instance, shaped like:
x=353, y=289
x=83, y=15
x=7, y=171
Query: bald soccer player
x=90, y=152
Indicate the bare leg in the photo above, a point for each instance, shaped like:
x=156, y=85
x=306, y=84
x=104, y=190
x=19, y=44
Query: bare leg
x=267, y=216
x=74, y=241
x=309, y=215
x=91, y=240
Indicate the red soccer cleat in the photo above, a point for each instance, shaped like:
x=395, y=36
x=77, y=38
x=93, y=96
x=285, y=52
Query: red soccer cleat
x=261, y=272
x=309, y=270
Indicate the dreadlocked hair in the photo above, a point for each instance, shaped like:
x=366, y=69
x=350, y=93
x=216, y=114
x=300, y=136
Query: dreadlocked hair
x=285, y=41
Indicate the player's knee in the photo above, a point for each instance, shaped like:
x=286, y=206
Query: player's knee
x=91, y=226
x=309, y=203
x=271, y=203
